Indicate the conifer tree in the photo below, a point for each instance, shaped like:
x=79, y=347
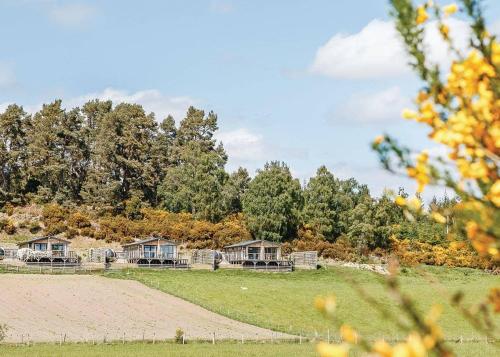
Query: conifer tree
x=14, y=123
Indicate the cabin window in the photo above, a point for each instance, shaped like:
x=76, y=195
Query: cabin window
x=40, y=246
x=271, y=253
x=149, y=251
x=58, y=247
x=253, y=252
x=167, y=251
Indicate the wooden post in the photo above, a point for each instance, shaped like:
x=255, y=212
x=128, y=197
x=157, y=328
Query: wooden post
x=154, y=337
x=213, y=339
x=328, y=334
x=123, y=339
x=300, y=338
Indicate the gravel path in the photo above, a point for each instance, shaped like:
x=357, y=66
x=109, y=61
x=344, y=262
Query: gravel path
x=86, y=308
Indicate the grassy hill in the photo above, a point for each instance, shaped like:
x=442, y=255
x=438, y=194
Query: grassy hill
x=284, y=302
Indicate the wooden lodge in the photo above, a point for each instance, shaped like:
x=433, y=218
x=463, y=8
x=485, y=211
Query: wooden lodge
x=257, y=254
x=154, y=252
x=48, y=250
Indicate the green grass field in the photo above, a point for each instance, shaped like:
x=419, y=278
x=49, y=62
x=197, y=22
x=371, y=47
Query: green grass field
x=284, y=301
x=225, y=349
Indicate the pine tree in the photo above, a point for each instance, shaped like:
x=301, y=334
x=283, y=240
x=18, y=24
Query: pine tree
x=272, y=203
x=14, y=123
x=122, y=165
x=234, y=189
x=195, y=180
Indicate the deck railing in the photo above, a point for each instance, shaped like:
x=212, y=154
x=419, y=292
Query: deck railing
x=139, y=254
x=231, y=256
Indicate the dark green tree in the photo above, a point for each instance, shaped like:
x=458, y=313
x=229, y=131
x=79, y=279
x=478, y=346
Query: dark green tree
x=122, y=164
x=57, y=154
x=194, y=181
x=272, y=203
x=321, y=203
x=14, y=123
x=234, y=189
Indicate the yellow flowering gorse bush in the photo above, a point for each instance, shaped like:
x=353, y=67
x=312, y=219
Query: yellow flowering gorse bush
x=461, y=108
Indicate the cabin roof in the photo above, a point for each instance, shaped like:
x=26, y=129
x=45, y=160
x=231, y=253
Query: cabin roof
x=147, y=240
x=42, y=238
x=250, y=242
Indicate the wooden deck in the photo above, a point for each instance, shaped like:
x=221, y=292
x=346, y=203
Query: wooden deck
x=262, y=264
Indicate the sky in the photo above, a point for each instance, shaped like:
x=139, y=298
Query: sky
x=308, y=83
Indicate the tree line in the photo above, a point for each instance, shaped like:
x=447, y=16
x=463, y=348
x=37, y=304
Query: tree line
x=120, y=159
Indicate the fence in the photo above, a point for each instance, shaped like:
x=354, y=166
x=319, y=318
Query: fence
x=203, y=256
x=305, y=259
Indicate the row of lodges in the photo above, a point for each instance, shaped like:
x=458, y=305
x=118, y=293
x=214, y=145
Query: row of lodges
x=155, y=252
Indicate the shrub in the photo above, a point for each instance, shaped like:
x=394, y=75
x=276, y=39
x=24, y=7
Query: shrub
x=79, y=220
x=71, y=233
x=133, y=208
x=8, y=209
x=34, y=227
x=87, y=232
x=7, y=226
x=54, y=219
x=179, y=335
x=3, y=331
x=10, y=228
x=55, y=228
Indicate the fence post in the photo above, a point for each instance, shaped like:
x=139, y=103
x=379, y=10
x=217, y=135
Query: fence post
x=123, y=339
x=328, y=335
x=213, y=339
x=300, y=338
x=154, y=337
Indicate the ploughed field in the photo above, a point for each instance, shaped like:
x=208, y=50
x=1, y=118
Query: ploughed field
x=94, y=308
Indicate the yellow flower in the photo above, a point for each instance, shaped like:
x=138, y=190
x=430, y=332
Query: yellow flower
x=409, y=114
x=348, y=334
x=326, y=305
x=494, y=193
x=422, y=15
x=328, y=350
x=400, y=201
x=378, y=140
x=494, y=299
x=438, y=217
x=445, y=30
x=401, y=350
x=414, y=204
x=382, y=348
x=416, y=345
x=450, y=9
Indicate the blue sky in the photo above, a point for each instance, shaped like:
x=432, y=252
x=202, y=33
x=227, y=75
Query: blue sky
x=309, y=83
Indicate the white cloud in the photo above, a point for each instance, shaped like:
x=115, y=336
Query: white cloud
x=7, y=76
x=377, y=50
x=152, y=100
x=72, y=15
x=242, y=145
x=376, y=107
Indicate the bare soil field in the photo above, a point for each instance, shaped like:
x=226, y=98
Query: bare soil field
x=46, y=308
